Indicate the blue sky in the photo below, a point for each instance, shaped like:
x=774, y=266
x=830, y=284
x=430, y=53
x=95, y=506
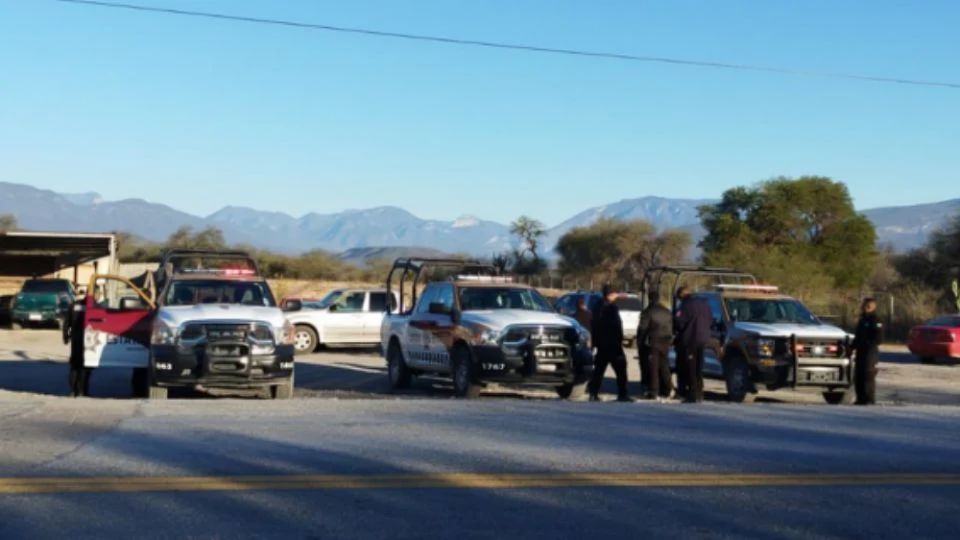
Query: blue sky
x=199, y=114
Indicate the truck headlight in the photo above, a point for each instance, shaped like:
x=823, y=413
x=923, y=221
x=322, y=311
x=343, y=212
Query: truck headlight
x=162, y=334
x=485, y=336
x=288, y=334
x=766, y=347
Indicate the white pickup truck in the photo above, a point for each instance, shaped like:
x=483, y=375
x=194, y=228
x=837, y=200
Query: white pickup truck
x=348, y=317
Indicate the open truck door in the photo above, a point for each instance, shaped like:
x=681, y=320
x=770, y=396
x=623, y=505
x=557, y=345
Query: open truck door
x=116, y=322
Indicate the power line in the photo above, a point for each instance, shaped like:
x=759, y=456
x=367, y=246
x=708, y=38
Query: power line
x=513, y=46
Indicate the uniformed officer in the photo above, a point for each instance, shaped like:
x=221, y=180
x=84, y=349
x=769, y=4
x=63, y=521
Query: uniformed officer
x=607, y=335
x=583, y=315
x=866, y=345
x=692, y=324
x=654, y=336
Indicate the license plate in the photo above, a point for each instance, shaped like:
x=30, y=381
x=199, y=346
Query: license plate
x=547, y=367
x=822, y=377
x=36, y=317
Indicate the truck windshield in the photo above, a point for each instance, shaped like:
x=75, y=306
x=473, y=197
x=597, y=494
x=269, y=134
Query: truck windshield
x=46, y=286
x=327, y=300
x=769, y=310
x=209, y=291
x=486, y=298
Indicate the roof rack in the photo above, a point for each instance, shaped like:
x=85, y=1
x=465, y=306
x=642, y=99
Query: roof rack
x=417, y=265
x=168, y=263
x=654, y=276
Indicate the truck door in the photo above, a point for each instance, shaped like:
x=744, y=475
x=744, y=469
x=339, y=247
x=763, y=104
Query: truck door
x=117, y=323
x=373, y=316
x=431, y=332
x=345, y=321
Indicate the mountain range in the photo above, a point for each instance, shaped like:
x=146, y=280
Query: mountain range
x=903, y=227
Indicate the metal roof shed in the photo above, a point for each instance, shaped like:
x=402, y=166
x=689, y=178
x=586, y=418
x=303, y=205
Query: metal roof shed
x=30, y=253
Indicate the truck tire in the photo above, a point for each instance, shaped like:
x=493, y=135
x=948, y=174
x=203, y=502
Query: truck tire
x=140, y=382
x=305, y=339
x=574, y=391
x=464, y=385
x=397, y=369
x=839, y=397
x=736, y=372
x=283, y=390
x=157, y=392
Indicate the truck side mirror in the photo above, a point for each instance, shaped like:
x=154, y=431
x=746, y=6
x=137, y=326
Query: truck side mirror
x=292, y=305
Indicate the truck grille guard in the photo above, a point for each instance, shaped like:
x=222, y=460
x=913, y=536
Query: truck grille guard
x=801, y=345
x=539, y=346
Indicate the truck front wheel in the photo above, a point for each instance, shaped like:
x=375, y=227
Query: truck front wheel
x=737, y=375
x=838, y=397
x=305, y=339
x=573, y=391
x=397, y=369
x=463, y=378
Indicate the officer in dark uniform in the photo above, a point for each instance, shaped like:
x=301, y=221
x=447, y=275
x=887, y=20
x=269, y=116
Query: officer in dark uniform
x=607, y=335
x=866, y=345
x=654, y=337
x=692, y=323
x=583, y=315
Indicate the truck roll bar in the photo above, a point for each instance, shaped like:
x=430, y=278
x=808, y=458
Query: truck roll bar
x=417, y=265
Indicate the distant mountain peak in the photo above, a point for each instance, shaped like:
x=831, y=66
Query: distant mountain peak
x=465, y=221
x=83, y=199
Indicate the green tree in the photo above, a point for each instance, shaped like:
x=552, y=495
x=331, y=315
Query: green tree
x=937, y=264
x=8, y=222
x=133, y=249
x=801, y=233
x=529, y=231
x=526, y=258
x=185, y=238
x=611, y=250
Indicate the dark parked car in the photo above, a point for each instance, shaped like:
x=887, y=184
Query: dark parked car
x=42, y=302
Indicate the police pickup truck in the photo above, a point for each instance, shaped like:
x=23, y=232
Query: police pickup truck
x=204, y=319
x=479, y=328
x=764, y=339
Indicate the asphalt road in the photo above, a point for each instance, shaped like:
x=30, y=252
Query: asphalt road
x=335, y=463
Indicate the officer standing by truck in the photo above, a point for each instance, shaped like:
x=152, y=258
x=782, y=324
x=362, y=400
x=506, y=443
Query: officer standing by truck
x=583, y=315
x=654, y=337
x=607, y=335
x=866, y=345
x=692, y=324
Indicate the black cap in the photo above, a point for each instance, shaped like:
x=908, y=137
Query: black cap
x=609, y=289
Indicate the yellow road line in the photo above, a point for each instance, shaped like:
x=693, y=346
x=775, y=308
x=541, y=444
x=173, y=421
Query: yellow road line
x=139, y=484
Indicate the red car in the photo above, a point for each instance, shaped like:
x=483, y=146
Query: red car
x=938, y=338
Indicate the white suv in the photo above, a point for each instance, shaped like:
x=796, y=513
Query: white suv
x=351, y=317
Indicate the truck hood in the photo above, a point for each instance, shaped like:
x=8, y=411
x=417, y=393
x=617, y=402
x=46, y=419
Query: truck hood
x=176, y=315
x=497, y=319
x=817, y=331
